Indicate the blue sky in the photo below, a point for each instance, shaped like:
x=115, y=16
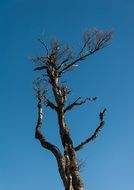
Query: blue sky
x=108, y=75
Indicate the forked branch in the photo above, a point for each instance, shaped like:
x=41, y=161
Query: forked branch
x=47, y=145
x=78, y=103
x=95, y=134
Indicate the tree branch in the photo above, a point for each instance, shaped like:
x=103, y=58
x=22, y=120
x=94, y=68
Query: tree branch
x=95, y=134
x=94, y=42
x=67, y=57
x=41, y=68
x=63, y=62
x=45, y=46
x=47, y=145
x=76, y=103
x=50, y=104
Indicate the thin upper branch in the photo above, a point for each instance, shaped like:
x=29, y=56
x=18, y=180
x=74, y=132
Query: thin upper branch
x=77, y=103
x=69, y=66
x=95, y=134
x=45, y=45
x=60, y=59
x=94, y=42
x=65, y=55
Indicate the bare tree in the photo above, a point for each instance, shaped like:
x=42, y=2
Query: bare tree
x=57, y=60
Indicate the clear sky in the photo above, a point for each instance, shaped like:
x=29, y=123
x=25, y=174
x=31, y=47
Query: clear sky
x=24, y=164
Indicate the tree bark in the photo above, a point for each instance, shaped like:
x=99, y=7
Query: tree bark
x=55, y=63
x=71, y=165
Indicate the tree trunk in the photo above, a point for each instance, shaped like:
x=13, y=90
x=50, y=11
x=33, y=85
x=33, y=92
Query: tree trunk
x=71, y=166
x=74, y=181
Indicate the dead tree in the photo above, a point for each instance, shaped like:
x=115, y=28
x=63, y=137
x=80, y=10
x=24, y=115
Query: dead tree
x=57, y=60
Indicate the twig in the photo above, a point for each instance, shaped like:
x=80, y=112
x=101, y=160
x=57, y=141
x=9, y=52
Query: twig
x=76, y=103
